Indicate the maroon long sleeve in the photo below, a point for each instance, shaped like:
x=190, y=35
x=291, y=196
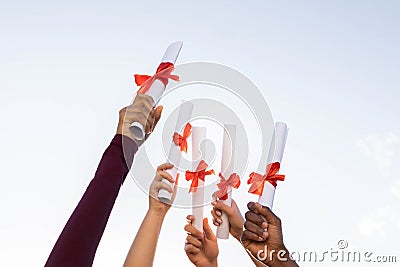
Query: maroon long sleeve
x=77, y=243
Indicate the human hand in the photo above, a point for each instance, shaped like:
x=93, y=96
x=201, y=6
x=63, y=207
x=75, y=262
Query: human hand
x=141, y=110
x=155, y=205
x=235, y=218
x=263, y=237
x=201, y=248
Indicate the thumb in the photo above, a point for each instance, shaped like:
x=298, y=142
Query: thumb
x=209, y=234
x=157, y=115
x=268, y=214
x=235, y=206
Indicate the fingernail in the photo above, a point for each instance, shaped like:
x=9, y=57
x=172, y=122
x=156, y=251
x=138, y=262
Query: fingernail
x=219, y=220
x=214, y=203
x=265, y=234
x=264, y=225
x=218, y=213
x=260, y=238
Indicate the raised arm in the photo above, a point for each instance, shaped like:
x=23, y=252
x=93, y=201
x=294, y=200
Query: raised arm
x=142, y=251
x=78, y=242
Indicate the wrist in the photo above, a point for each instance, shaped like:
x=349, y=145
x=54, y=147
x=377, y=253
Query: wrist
x=157, y=214
x=237, y=236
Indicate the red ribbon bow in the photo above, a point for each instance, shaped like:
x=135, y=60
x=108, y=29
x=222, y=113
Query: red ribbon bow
x=200, y=173
x=163, y=73
x=180, y=140
x=271, y=176
x=233, y=181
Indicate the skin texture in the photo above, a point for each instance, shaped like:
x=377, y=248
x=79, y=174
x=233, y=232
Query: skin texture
x=142, y=251
x=141, y=110
x=236, y=222
x=263, y=229
x=236, y=219
x=201, y=247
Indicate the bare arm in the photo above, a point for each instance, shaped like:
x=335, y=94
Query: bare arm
x=142, y=251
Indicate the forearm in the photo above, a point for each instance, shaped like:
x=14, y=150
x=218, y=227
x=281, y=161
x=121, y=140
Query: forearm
x=142, y=251
x=77, y=243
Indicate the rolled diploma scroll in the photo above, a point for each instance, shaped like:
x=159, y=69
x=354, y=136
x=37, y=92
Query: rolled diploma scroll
x=157, y=88
x=227, y=165
x=275, y=154
x=174, y=156
x=198, y=135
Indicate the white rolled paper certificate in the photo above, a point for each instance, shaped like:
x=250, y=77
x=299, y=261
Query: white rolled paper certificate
x=175, y=154
x=157, y=87
x=227, y=167
x=198, y=135
x=275, y=154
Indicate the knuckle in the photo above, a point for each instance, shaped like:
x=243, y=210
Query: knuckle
x=123, y=111
x=248, y=215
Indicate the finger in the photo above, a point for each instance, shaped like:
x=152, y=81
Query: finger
x=235, y=206
x=149, y=123
x=193, y=231
x=157, y=115
x=216, y=213
x=190, y=218
x=194, y=241
x=247, y=235
x=217, y=220
x=144, y=100
x=215, y=196
x=175, y=186
x=251, y=206
x=152, y=112
x=268, y=214
x=158, y=177
x=135, y=116
x=254, y=228
x=163, y=186
x=190, y=249
x=208, y=231
x=222, y=207
x=122, y=113
x=164, y=166
x=166, y=176
x=256, y=219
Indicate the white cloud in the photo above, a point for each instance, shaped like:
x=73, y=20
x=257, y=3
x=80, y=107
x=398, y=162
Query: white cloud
x=382, y=149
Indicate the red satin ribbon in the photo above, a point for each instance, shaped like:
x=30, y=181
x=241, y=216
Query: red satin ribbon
x=163, y=73
x=200, y=173
x=271, y=176
x=180, y=140
x=233, y=181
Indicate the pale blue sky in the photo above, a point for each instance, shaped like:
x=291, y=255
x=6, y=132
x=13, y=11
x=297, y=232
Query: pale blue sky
x=329, y=69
